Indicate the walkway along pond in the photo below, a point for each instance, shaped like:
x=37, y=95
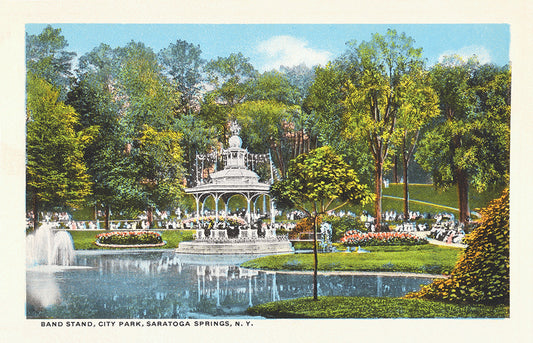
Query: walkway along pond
x=162, y=284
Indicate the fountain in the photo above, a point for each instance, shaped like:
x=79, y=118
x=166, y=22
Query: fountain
x=46, y=247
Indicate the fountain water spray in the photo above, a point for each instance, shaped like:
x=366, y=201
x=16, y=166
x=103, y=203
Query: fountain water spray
x=46, y=247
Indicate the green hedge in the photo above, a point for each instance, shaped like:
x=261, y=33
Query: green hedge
x=482, y=273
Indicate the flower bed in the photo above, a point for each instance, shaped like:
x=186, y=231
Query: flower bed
x=234, y=221
x=129, y=238
x=357, y=238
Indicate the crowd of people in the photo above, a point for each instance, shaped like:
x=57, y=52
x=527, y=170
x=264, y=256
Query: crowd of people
x=447, y=231
x=445, y=228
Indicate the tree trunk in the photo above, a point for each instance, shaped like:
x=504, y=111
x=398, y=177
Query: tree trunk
x=405, y=190
x=462, y=193
x=395, y=170
x=106, y=219
x=379, y=184
x=315, y=270
x=150, y=217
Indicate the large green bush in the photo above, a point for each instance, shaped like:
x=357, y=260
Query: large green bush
x=482, y=273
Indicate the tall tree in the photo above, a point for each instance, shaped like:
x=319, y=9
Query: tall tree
x=419, y=103
x=197, y=137
x=316, y=183
x=301, y=78
x=150, y=101
x=273, y=86
x=325, y=106
x=265, y=128
x=230, y=79
x=182, y=62
x=469, y=144
x=94, y=98
x=47, y=58
x=55, y=170
x=373, y=99
x=296, y=133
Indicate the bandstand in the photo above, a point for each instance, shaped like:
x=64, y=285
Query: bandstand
x=236, y=178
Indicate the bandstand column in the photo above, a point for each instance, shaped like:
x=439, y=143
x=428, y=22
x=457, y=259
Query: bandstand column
x=272, y=213
x=197, y=210
x=248, y=209
x=216, y=196
x=226, y=210
x=203, y=210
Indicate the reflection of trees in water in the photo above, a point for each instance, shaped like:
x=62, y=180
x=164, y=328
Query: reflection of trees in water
x=165, y=287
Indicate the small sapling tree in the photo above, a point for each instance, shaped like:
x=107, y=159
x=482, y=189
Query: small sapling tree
x=316, y=183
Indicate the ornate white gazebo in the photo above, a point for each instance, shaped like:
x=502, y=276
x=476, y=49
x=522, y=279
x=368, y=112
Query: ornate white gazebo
x=234, y=179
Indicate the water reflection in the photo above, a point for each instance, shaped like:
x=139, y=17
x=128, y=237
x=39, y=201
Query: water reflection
x=166, y=285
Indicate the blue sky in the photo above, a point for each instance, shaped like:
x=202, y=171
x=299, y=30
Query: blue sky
x=269, y=46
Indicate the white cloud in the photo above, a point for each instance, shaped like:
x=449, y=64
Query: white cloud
x=481, y=52
x=290, y=51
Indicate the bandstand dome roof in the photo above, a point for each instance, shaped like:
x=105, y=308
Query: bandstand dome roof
x=235, y=142
x=235, y=177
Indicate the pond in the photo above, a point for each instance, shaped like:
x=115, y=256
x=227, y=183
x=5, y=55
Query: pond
x=163, y=284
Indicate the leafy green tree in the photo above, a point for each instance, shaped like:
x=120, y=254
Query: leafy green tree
x=419, y=103
x=273, y=86
x=47, y=58
x=56, y=174
x=150, y=104
x=481, y=276
x=159, y=172
x=125, y=93
x=94, y=98
x=325, y=106
x=301, y=78
x=316, y=183
x=376, y=70
x=469, y=143
x=266, y=127
x=230, y=79
x=182, y=62
x=296, y=132
x=197, y=136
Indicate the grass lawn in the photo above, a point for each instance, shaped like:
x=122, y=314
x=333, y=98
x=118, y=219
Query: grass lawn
x=443, y=200
x=84, y=240
x=366, y=307
x=448, y=198
x=428, y=258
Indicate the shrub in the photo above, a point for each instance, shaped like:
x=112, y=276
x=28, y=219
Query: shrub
x=339, y=225
x=481, y=276
x=129, y=237
x=304, y=225
x=357, y=238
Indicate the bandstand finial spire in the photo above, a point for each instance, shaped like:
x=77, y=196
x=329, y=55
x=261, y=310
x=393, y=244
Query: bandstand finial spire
x=235, y=128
